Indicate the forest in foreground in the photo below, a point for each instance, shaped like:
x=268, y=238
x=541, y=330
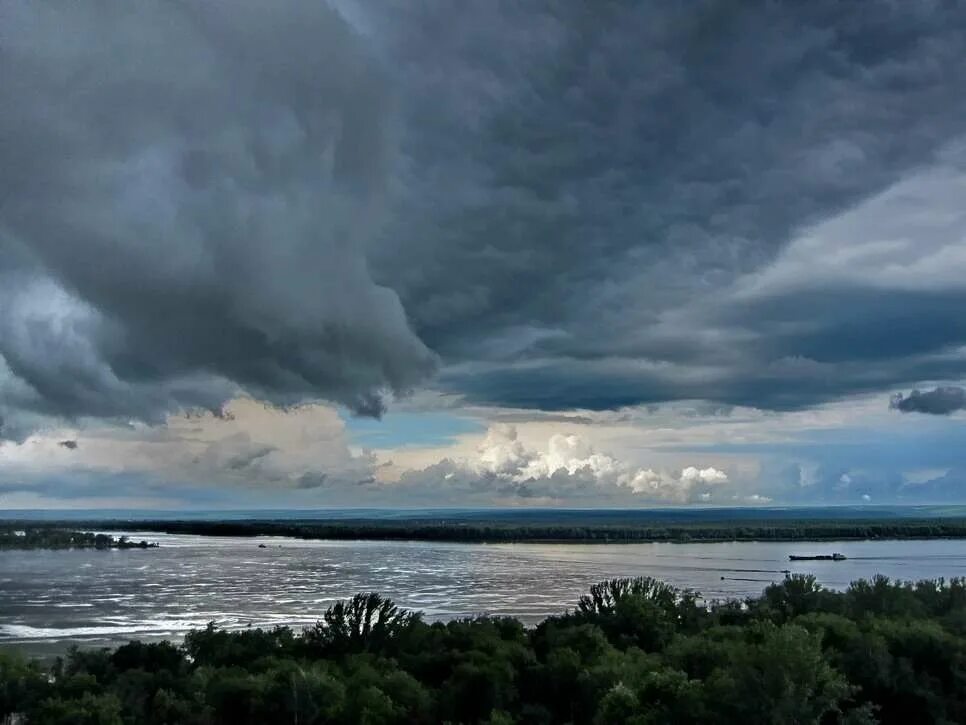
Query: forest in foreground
x=631, y=651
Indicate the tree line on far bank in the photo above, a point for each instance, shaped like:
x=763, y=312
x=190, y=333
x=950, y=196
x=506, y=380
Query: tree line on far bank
x=55, y=538
x=631, y=651
x=497, y=530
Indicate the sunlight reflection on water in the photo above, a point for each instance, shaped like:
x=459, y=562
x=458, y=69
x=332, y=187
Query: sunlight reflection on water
x=103, y=597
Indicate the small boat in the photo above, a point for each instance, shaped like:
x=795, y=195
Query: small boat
x=818, y=557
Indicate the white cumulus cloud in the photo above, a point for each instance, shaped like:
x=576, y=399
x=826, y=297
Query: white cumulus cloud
x=569, y=465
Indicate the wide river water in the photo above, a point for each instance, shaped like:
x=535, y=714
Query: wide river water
x=49, y=599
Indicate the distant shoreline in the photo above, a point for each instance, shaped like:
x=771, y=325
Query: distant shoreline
x=28, y=538
x=534, y=530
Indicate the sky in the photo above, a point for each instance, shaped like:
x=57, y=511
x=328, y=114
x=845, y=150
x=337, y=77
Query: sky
x=410, y=254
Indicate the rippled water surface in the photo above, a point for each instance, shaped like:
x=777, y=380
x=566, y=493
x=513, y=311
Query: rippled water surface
x=51, y=598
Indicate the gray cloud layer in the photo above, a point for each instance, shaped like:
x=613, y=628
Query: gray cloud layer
x=564, y=201
x=941, y=401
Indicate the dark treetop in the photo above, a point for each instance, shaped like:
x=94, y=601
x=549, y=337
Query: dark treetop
x=632, y=651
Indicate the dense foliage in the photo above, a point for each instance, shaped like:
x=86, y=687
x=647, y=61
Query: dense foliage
x=57, y=538
x=632, y=651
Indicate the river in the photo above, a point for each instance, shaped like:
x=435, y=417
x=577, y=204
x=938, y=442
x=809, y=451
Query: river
x=50, y=599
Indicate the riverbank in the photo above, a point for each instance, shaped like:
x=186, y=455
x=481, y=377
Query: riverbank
x=53, y=537
x=535, y=530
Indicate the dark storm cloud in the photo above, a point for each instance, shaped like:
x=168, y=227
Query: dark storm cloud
x=561, y=200
x=590, y=195
x=941, y=401
x=187, y=192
